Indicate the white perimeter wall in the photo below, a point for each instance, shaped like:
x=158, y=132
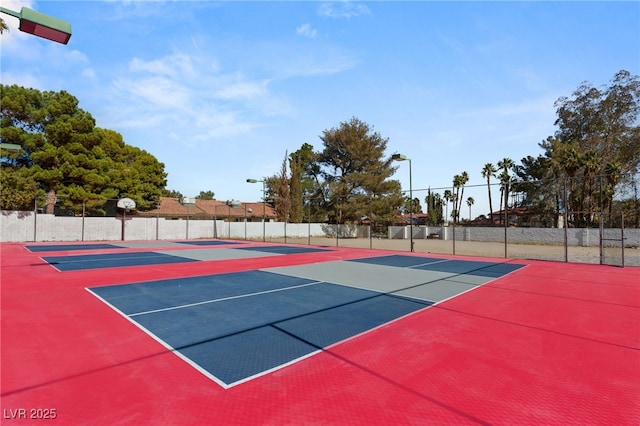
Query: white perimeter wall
x=27, y=226
x=584, y=237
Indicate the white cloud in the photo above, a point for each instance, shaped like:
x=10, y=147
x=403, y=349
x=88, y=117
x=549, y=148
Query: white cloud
x=194, y=101
x=179, y=98
x=320, y=61
x=307, y=30
x=243, y=90
x=178, y=64
x=21, y=79
x=156, y=91
x=15, y=42
x=343, y=9
x=89, y=73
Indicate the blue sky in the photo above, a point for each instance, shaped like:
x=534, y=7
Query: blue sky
x=220, y=91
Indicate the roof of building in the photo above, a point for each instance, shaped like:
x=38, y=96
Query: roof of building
x=173, y=207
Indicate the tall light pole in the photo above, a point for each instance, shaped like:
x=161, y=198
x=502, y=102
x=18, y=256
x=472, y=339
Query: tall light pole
x=400, y=157
x=264, y=200
x=41, y=25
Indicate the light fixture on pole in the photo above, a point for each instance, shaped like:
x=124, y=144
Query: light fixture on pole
x=41, y=25
x=264, y=207
x=400, y=157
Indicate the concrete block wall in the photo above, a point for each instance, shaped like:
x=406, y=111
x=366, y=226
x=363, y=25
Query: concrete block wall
x=583, y=237
x=27, y=226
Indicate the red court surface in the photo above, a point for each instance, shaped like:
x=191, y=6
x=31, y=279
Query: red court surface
x=551, y=343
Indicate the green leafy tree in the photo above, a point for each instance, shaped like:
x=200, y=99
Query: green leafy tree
x=597, y=127
x=138, y=175
x=357, y=174
x=282, y=199
x=206, y=195
x=23, y=190
x=613, y=174
x=296, y=197
x=71, y=160
x=434, y=208
x=540, y=190
x=172, y=193
x=412, y=206
x=306, y=185
x=603, y=121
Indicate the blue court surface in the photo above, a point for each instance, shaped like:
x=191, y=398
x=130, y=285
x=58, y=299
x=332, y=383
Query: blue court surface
x=488, y=269
x=69, y=247
x=112, y=260
x=236, y=326
x=94, y=261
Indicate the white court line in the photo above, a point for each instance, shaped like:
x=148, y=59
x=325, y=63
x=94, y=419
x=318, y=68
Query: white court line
x=109, y=257
x=224, y=298
x=429, y=263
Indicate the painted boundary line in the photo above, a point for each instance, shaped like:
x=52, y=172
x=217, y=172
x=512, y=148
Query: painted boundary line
x=162, y=342
x=188, y=305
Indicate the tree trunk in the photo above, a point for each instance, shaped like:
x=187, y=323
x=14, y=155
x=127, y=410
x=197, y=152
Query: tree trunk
x=51, y=202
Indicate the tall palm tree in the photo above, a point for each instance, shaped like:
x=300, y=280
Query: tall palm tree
x=457, y=181
x=448, y=197
x=3, y=26
x=464, y=178
x=458, y=184
x=489, y=171
x=505, y=165
x=470, y=202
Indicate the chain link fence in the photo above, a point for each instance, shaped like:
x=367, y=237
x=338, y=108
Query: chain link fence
x=588, y=219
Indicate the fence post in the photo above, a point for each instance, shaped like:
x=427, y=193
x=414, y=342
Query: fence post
x=83, y=216
x=566, y=219
x=35, y=220
x=454, y=236
x=506, y=219
x=622, y=235
x=601, y=244
x=601, y=223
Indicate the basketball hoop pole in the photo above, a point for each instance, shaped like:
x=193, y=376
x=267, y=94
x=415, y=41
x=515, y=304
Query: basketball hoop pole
x=126, y=204
x=124, y=215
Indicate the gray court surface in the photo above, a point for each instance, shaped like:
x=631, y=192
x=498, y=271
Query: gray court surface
x=165, y=252
x=148, y=244
x=410, y=281
x=217, y=254
x=178, y=244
